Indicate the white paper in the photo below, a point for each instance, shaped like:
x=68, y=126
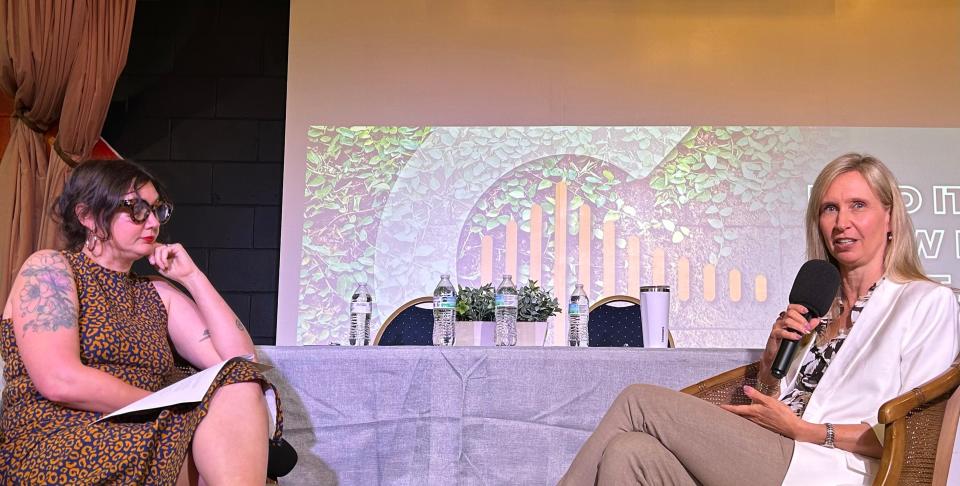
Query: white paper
x=188, y=390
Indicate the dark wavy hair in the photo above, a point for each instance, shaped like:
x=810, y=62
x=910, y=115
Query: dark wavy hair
x=99, y=186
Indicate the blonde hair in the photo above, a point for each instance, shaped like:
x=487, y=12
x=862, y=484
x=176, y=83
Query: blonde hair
x=900, y=260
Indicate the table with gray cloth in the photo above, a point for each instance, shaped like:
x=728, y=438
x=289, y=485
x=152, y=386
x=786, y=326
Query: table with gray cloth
x=460, y=416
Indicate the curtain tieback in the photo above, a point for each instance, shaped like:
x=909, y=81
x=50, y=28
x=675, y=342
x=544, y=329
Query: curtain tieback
x=36, y=127
x=67, y=158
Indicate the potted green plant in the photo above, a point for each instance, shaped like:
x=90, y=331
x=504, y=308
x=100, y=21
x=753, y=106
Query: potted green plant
x=475, y=303
x=535, y=306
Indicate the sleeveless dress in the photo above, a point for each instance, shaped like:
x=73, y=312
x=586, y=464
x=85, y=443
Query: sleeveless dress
x=123, y=331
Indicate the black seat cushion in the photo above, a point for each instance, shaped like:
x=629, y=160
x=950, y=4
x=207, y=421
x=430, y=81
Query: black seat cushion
x=611, y=326
x=413, y=327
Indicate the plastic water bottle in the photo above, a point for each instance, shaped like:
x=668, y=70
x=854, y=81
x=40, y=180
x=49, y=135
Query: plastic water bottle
x=444, y=312
x=361, y=307
x=578, y=314
x=506, y=312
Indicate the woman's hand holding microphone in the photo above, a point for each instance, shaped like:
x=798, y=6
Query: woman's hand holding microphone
x=790, y=325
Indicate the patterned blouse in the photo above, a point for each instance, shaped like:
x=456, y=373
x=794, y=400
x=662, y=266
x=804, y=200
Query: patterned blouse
x=815, y=363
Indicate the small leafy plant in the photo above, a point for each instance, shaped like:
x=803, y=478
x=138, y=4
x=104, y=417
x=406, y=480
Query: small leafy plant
x=475, y=304
x=534, y=303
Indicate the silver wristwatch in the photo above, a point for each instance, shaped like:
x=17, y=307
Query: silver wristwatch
x=831, y=435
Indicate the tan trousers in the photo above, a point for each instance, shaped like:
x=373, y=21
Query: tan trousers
x=657, y=436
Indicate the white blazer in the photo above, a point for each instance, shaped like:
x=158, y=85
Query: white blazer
x=906, y=335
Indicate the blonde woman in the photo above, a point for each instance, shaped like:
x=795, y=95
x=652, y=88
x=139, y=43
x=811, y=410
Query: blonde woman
x=889, y=330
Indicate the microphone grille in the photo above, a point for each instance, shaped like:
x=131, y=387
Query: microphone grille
x=816, y=286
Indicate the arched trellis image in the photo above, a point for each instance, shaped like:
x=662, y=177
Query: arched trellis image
x=715, y=212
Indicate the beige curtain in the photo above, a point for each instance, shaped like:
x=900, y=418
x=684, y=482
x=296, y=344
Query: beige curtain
x=100, y=59
x=59, y=60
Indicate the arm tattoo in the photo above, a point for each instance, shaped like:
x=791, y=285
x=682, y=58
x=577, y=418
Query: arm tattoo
x=205, y=335
x=45, y=299
x=239, y=324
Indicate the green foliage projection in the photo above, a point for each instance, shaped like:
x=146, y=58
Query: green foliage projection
x=715, y=180
x=350, y=171
x=721, y=170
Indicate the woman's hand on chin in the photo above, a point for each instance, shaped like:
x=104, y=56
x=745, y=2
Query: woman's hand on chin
x=173, y=262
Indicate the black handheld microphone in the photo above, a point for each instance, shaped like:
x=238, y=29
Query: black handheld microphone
x=815, y=288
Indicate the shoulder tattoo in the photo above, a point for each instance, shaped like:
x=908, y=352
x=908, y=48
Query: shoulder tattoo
x=45, y=298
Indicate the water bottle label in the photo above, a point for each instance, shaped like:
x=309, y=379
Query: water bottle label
x=445, y=302
x=360, y=307
x=577, y=309
x=506, y=300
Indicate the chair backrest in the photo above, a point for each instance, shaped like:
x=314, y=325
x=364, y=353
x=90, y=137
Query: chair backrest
x=615, y=322
x=411, y=324
x=947, y=440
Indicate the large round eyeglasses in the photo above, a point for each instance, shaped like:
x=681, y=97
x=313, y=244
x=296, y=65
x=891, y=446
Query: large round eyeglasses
x=139, y=210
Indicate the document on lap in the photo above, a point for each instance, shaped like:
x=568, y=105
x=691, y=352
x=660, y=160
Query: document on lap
x=188, y=390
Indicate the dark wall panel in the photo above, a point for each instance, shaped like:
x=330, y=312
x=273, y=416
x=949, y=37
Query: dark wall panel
x=201, y=104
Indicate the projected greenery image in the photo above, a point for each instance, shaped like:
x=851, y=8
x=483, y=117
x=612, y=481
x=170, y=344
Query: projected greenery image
x=396, y=206
x=349, y=174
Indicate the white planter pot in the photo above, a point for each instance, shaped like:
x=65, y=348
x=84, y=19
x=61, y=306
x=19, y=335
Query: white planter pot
x=481, y=333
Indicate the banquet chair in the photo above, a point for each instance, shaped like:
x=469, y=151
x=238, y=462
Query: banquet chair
x=411, y=325
x=920, y=425
x=615, y=322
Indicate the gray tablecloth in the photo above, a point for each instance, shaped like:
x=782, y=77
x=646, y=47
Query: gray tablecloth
x=460, y=416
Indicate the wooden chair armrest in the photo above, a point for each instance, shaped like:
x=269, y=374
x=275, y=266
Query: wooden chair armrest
x=898, y=407
x=727, y=387
x=894, y=413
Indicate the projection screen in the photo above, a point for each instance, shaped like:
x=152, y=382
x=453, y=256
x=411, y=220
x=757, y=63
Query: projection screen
x=478, y=160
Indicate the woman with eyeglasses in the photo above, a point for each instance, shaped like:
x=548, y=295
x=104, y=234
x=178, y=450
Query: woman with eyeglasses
x=82, y=336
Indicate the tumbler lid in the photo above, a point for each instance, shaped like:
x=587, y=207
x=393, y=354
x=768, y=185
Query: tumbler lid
x=655, y=288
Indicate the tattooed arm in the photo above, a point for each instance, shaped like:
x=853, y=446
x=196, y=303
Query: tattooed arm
x=188, y=330
x=44, y=309
x=203, y=329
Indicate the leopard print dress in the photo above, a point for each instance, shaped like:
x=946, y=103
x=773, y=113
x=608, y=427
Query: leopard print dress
x=123, y=331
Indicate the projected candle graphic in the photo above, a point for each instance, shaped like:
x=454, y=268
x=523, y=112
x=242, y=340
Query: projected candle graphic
x=605, y=284
x=681, y=284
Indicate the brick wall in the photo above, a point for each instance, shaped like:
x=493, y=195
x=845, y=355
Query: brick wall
x=201, y=103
